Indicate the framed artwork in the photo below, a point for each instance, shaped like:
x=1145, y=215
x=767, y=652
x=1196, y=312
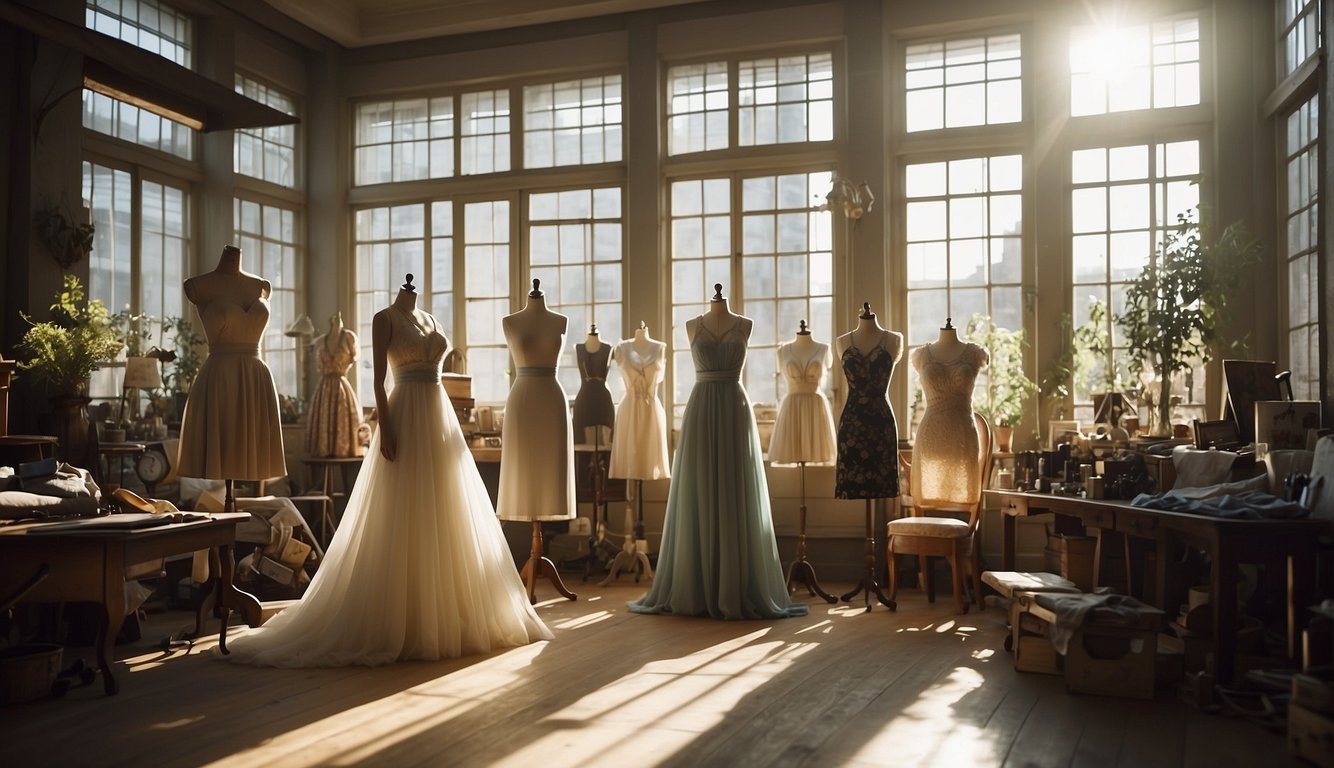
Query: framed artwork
x=1221, y=434
x=1060, y=431
x=1284, y=423
x=1247, y=382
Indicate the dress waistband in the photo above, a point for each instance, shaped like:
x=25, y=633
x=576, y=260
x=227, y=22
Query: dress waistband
x=416, y=375
x=718, y=376
x=234, y=349
x=536, y=370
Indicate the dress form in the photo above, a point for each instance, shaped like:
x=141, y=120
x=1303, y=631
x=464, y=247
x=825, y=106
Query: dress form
x=334, y=414
x=230, y=430
x=594, y=411
x=804, y=431
x=719, y=554
x=944, y=467
x=867, y=438
x=639, y=444
x=537, y=439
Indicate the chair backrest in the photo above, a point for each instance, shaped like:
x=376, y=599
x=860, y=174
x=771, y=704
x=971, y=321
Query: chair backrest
x=973, y=507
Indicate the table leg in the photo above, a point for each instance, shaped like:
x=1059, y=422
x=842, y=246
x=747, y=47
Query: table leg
x=113, y=606
x=1223, y=595
x=1008, y=530
x=1301, y=581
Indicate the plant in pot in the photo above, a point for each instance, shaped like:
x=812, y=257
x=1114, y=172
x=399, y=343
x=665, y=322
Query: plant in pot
x=67, y=240
x=1172, y=309
x=1080, y=365
x=1006, y=388
x=62, y=352
x=186, y=361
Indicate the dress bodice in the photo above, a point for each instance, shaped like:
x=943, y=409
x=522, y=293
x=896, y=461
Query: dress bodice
x=868, y=373
x=720, y=354
x=228, y=323
x=949, y=382
x=641, y=372
x=803, y=373
x=535, y=347
x=593, y=365
x=336, y=361
x=413, y=347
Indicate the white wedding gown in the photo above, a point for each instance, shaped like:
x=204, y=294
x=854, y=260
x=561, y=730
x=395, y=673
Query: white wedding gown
x=419, y=567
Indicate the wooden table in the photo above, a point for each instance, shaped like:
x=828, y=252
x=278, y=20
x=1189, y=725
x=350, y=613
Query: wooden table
x=1228, y=543
x=92, y=563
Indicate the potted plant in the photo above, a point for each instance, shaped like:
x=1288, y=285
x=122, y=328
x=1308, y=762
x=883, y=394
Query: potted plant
x=62, y=352
x=1081, y=363
x=1173, y=308
x=1007, y=388
x=66, y=240
x=186, y=361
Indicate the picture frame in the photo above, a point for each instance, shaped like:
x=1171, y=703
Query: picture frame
x=1283, y=424
x=1247, y=382
x=1222, y=434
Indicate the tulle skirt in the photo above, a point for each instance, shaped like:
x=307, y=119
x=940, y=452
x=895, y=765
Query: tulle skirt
x=419, y=567
x=803, y=431
x=719, y=556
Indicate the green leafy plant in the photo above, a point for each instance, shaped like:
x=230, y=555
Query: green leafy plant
x=187, y=360
x=63, y=351
x=1172, y=309
x=1007, y=388
x=67, y=240
x=1082, y=359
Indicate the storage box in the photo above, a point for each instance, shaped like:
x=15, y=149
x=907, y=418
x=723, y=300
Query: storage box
x=1072, y=558
x=1033, y=651
x=1310, y=735
x=276, y=570
x=1109, y=659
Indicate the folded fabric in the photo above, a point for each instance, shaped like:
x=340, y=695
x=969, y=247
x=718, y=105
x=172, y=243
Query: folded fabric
x=1074, y=611
x=1252, y=505
x=68, y=482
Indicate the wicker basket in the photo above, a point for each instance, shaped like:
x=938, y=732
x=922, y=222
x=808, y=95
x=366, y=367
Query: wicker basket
x=27, y=671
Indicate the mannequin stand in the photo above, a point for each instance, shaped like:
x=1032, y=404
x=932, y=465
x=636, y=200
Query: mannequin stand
x=868, y=584
x=540, y=565
x=599, y=484
x=631, y=557
x=802, y=571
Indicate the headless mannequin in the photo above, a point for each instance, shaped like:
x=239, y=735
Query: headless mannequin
x=334, y=337
x=537, y=330
x=947, y=346
x=719, y=319
x=227, y=281
x=802, y=343
x=643, y=342
x=381, y=332
x=868, y=335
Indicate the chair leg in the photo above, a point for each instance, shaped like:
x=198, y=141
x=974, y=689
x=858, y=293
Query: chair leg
x=893, y=569
x=924, y=575
x=977, y=577
x=956, y=579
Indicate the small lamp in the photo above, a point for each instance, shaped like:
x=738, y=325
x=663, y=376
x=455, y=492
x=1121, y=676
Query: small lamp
x=140, y=373
x=302, y=326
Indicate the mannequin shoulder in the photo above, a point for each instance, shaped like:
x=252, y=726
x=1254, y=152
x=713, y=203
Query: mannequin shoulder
x=981, y=354
x=893, y=343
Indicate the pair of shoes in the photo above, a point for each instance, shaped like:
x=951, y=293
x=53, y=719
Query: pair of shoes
x=134, y=501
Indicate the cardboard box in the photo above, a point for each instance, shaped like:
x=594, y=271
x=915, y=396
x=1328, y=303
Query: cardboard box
x=276, y=571
x=1072, y=558
x=1112, y=661
x=1310, y=735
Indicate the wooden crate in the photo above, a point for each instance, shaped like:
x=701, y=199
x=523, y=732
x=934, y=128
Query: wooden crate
x=1110, y=660
x=1072, y=558
x=1310, y=735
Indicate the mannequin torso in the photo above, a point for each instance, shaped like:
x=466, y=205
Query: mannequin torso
x=947, y=346
x=718, y=320
x=868, y=335
x=535, y=334
x=228, y=282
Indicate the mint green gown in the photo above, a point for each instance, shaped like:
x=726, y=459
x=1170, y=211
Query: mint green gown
x=718, y=556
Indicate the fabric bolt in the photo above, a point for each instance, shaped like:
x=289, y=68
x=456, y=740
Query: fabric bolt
x=944, y=466
x=718, y=556
x=230, y=429
x=419, y=567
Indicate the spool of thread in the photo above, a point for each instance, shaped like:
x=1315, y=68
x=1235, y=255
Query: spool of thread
x=1085, y=473
x=1093, y=488
x=1005, y=479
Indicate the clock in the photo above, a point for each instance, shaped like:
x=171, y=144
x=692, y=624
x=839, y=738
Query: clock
x=152, y=466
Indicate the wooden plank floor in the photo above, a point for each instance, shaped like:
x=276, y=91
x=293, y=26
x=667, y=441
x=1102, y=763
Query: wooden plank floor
x=839, y=687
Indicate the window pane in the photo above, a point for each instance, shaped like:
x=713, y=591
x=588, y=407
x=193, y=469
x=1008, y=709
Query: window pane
x=1116, y=69
x=962, y=82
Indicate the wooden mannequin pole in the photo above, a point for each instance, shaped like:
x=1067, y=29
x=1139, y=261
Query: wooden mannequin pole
x=868, y=584
x=802, y=571
x=540, y=565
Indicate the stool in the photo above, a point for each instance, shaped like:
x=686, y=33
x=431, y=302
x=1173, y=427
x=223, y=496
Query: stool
x=1015, y=585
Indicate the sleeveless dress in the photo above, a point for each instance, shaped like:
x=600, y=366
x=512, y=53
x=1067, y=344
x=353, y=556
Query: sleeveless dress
x=639, y=441
x=868, y=437
x=944, y=466
x=419, y=567
x=804, y=428
x=592, y=405
x=334, y=415
x=719, y=557
x=230, y=429
x=536, y=439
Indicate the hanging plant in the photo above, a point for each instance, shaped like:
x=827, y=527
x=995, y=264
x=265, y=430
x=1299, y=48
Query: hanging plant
x=67, y=241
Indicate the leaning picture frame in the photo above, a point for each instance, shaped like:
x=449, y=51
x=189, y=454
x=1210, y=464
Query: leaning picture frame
x=1058, y=430
x=1283, y=424
x=1248, y=382
x=1222, y=434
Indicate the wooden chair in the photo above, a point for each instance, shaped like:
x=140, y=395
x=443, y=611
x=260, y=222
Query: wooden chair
x=943, y=529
